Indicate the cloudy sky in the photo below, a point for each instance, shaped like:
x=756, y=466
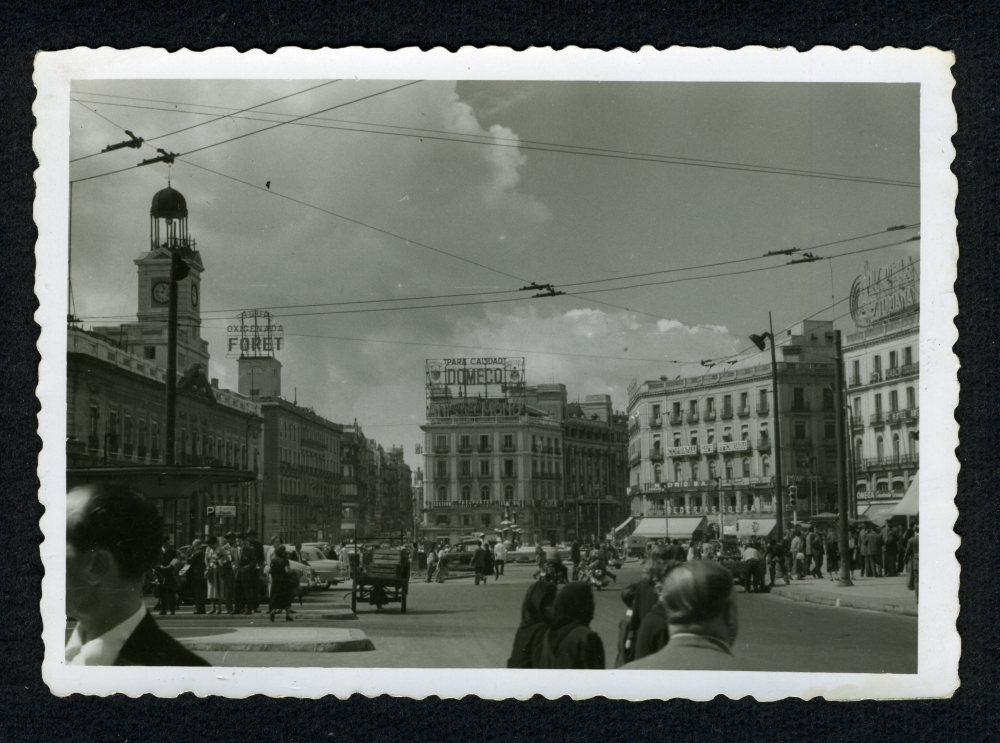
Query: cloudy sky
x=501, y=199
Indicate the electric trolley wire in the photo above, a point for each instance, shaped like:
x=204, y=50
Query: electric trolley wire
x=257, y=131
x=203, y=123
x=553, y=147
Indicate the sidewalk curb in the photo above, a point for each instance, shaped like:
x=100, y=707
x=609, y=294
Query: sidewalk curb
x=844, y=603
x=356, y=640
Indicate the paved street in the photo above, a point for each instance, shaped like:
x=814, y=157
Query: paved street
x=459, y=625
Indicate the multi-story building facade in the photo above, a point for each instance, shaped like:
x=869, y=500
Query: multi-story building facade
x=595, y=459
x=302, y=470
x=483, y=470
x=355, y=457
x=537, y=465
x=881, y=360
x=703, y=446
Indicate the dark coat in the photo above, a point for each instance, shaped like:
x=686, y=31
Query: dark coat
x=689, y=653
x=569, y=641
x=197, y=585
x=257, y=549
x=479, y=560
x=653, y=634
x=643, y=602
x=534, y=621
x=151, y=646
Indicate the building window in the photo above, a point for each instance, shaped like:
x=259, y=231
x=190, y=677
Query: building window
x=656, y=414
x=695, y=470
x=465, y=468
x=710, y=436
x=466, y=492
x=729, y=469
x=727, y=433
x=677, y=438
x=464, y=443
x=485, y=493
x=892, y=360
x=877, y=364
x=907, y=356
x=911, y=398
x=798, y=398
x=895, y=445
x=800, y=430
x=677, y=410
x=441, y=443
x=829, y=429
x=657, y=473
x=694, y=438
x=856, y=411
x=508, y=467
x=827, y=398
x=442, y=493
x=466, y=520
x=746, y=466
x=879, y=447
x=857, y=452
x=712, y=474
x=856, y=371
x=710, y=405
x=744, y=432
x=727, y=404
x=745, y=401
x=441, y=469
x=484, y=468
x=149, y=352
x=484, y=442
x=765, y=466
x=678, y=474
x=878, y=404
x=893, y=400
x=508, y=442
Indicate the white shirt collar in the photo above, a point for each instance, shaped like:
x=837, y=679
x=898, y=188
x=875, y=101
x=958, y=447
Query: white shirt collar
x=103, y=650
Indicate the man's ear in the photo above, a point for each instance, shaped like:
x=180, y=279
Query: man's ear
x=102, y=566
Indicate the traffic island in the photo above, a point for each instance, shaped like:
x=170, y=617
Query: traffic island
x=874, y=594
x=282, y=640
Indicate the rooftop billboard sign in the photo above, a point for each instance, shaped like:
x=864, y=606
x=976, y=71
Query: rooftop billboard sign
x=474, y=378
x=885, y=293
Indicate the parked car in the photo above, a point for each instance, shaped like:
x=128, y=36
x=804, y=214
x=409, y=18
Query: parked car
x=328, y=573
x=460, y=555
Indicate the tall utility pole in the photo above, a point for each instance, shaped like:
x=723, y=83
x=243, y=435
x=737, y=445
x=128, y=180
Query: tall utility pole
x=778, y=495
x=841, y=402
x=178, y=271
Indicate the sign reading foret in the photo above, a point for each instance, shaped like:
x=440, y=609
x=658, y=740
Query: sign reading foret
x=254, y=333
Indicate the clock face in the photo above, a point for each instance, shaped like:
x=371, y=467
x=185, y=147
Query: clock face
x=194, y=295
x=161, y=292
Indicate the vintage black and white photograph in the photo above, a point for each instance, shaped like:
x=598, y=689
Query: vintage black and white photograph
x=498, y=375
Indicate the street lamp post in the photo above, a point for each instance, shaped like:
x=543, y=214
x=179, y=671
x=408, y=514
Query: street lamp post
x=845, y=573
x=758, y=341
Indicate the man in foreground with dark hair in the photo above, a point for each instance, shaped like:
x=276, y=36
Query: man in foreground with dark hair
x=113, y=535
x=701, y=619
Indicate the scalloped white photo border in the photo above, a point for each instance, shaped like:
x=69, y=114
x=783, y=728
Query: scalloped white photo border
x=939, y=645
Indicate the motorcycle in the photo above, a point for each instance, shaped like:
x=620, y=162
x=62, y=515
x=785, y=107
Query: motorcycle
x=554, y=573
x=597, y=576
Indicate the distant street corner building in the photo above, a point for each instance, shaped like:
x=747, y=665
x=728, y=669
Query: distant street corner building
x=504, y=458
x=702, y=447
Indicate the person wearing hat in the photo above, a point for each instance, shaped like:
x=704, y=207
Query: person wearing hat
x=701, y=619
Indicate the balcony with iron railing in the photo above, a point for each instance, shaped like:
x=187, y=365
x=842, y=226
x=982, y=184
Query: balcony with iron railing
x=763, y=409
x=656, y=455
x=727, y=414
x=891, y=460
x=464, y=448
x=634, y=459
x=764, y=443
x=508, y=448
x=854, y=382
x=656, y=422
x=485, y=449
x=877, y=419
x=441, y=448
x=858, y=425
x=692, y=416
x=709, y=415
x=676, y=419
x=743, y=412
x=875, y=377
x=509, y=475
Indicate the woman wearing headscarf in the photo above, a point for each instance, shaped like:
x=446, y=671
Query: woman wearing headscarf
x=536, y=614
x=282, y=584
x=569, y=642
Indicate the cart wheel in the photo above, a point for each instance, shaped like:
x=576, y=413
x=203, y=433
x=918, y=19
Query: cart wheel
x=402, y=607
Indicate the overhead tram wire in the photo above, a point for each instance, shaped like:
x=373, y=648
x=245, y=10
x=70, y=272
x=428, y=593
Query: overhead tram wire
x=581, y=295
x=204, y=123
x=539, y=146
x=250, y=134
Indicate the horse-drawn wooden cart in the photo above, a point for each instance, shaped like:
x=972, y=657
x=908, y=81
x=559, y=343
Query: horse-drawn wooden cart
x=381, y=576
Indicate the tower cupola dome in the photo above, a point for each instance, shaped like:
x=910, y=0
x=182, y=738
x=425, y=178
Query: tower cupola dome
x=168, y=204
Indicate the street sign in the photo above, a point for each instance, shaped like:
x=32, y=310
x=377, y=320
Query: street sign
x=210, y=510
x=225, y=511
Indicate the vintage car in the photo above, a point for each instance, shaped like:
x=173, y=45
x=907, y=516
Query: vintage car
x=460, y=555
x=328, y=573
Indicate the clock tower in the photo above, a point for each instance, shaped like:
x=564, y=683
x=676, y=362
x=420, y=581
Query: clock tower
x=168, y=232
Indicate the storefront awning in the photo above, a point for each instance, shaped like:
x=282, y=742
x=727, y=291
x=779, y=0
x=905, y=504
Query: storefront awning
x=746, y=528
x=674, y=528
x=623, y=524
x=910, y=505
x=879, y=513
